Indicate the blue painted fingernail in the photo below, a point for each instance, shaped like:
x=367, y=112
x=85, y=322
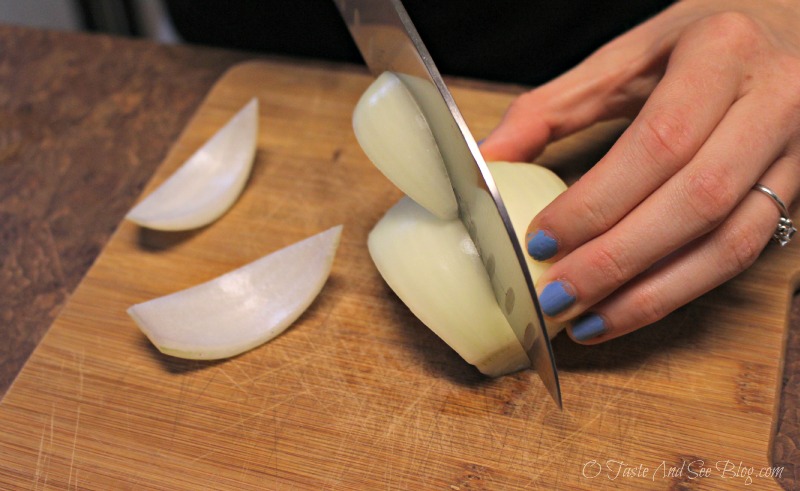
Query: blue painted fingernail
x=480, y=142
x=555, y=298
x=541, y=246
x=589, y=327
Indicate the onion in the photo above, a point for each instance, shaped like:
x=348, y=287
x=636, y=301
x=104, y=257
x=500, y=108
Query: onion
x=384, y=120
x=241, y=309
x=421, y=249
x=526, y=189
x=208, y=183
x=434, y=268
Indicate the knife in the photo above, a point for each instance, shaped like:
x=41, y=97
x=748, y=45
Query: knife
x=388, y=41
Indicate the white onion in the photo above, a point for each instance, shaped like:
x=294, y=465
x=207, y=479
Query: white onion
x=241, y=309
x=393, y=132
x=433, y=267
x=526, y=189
x=208, y=183
x=421, y=249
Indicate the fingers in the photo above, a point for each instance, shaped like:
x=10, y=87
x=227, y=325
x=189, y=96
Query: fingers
x=689, y=205
x=701, y=266
x=667, y=214
x=683, y=110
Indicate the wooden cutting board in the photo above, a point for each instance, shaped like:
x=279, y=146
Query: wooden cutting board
x=358, y=394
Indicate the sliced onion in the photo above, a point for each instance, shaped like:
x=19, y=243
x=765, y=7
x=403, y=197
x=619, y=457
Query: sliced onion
x=241, y=309
x=421, y=249
x=393, y=132
x=526, y=189
x=208, y=183
x=433, y=266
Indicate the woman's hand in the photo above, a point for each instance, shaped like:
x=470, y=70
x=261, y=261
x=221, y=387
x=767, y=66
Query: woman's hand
x=713, y=88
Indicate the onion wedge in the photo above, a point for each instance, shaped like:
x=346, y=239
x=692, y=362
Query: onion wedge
x=242, y=309
x=208, y=183
x=526, y=189
x=434, y=268
x=393, y=132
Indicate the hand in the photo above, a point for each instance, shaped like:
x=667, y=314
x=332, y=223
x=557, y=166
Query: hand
x=713, y=88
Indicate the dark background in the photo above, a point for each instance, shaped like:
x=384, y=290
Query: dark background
x=524, y=42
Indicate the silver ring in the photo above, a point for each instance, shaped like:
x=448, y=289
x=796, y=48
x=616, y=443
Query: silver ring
x=785, y=230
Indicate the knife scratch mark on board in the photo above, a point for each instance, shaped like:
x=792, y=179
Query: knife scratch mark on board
x=340, y=455
x=243, y=421
x=314, y=394
x=74, y=446
x=235, y=384
x=43, y=458
x=179, y=409
x=405, y=415
x=244, y=373
x=283, y=366
x=204, y=389
x=434, y=435
x=614, y=400
x=79, y=360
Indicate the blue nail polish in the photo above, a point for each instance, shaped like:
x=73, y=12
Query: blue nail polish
x=480, y=142
x=555, y=299
x=541, y=246
x=589, y=327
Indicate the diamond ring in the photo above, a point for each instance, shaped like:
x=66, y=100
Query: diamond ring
x=785, y=229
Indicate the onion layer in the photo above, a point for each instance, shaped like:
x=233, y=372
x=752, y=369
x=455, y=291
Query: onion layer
x=208, y=183
x=241, y=309
x=394, y=133
x=433, y=266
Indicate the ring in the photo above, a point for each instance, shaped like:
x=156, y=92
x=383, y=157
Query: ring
x=785, y=230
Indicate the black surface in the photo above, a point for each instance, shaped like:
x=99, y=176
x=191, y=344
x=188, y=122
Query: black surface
x=524, y=42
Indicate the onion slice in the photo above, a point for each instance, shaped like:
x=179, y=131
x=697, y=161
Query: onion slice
x=434, y=268
x=526, y=189
x=208, y=183
x=421, y=249
x=241, y=309
x=394, y=134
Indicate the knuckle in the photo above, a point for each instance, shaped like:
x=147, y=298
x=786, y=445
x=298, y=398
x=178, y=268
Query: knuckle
x=648, y=306
x=611, y=264
x=736, y=32
x=665, y=136
x=741, y=245
x=710, y=195
x=594, y=215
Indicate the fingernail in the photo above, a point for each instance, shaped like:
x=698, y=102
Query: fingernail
x=480, y=142
x=589, y=327
x=541, y=246
x=555, y=298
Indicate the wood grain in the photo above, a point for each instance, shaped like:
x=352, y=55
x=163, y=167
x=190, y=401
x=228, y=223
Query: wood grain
x=358, y=394
x=83, y=125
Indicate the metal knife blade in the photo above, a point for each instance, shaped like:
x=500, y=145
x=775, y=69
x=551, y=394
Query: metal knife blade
x=388, y=41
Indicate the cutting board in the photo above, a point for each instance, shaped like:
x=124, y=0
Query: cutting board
x=358, y=394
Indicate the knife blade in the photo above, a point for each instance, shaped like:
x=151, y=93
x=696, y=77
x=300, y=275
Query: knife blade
x=388, y=41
